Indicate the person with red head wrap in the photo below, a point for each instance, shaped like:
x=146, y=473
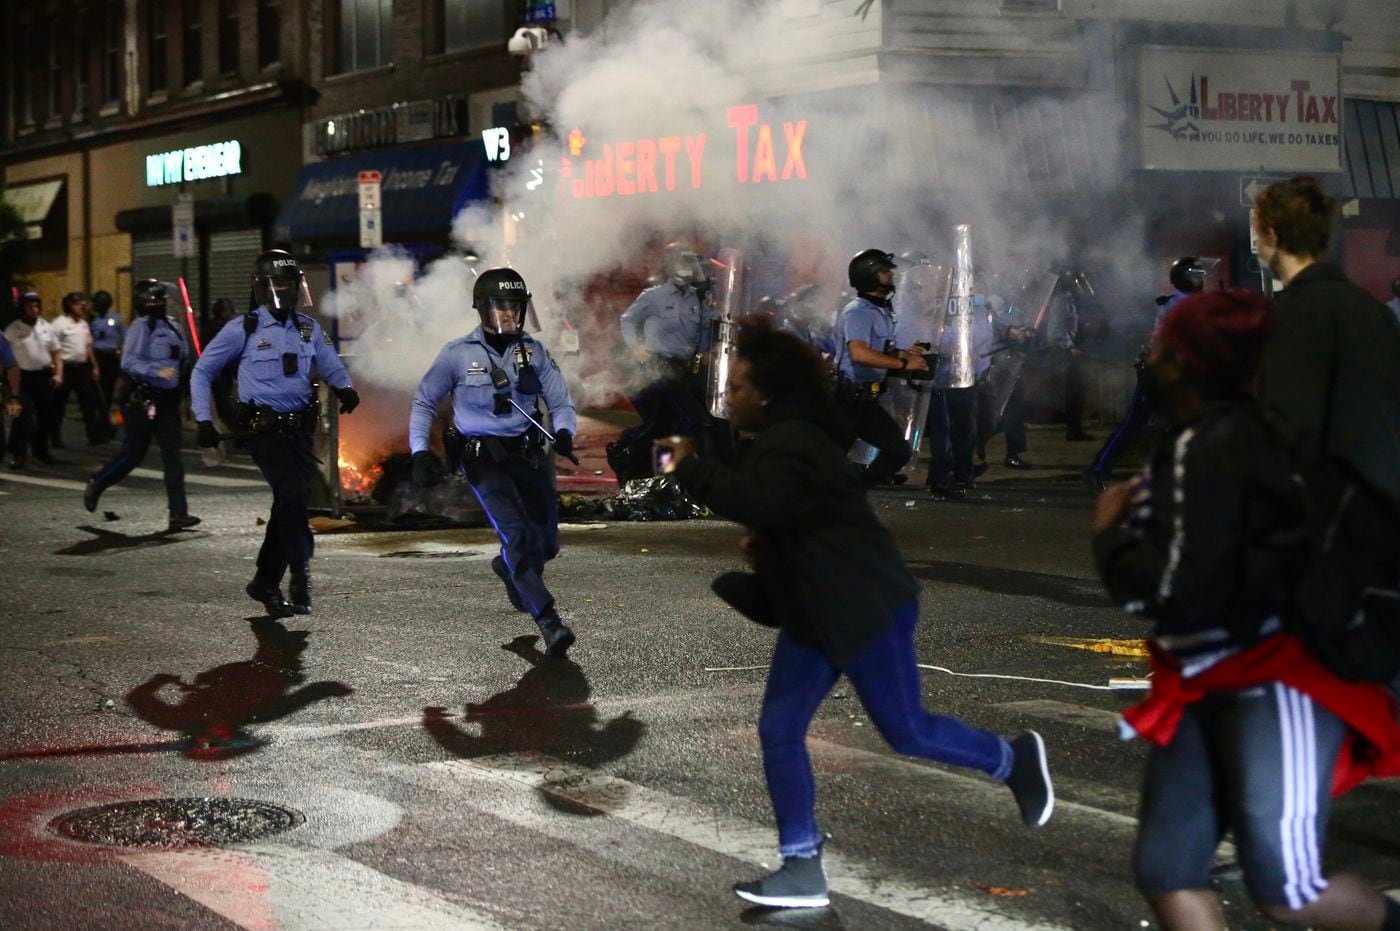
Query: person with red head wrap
x=1249, y=732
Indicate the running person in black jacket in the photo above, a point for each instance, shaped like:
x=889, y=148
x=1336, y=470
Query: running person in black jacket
x=830, y=577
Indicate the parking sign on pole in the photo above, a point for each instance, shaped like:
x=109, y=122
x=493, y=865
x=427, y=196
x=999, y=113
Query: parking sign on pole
x=182, y=225
x=371, y=226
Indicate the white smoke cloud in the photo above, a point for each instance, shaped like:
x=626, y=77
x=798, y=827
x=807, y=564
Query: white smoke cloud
x=888, y=166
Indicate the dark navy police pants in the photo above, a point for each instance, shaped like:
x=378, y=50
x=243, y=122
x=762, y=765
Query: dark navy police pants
x=519, y=501
x=136, y=440
x=288, y=466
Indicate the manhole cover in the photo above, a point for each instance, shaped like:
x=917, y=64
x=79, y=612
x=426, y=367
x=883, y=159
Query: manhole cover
x=177, y=822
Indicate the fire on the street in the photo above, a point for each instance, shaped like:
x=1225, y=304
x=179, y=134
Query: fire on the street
x=357, y=483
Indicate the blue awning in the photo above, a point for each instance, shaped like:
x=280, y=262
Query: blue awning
x=422, y=189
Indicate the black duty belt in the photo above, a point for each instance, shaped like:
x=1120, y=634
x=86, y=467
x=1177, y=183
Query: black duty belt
x=859, y=390
x=498, y=449
x=255, y=418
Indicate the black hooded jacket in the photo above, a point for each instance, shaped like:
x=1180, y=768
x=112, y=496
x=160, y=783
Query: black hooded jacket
x=829, y=572
x=1332, y=372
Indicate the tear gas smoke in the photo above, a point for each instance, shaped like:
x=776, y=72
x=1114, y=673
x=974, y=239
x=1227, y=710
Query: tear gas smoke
x=887, y=165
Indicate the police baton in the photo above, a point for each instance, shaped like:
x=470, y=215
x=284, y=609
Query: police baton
x=500, y=380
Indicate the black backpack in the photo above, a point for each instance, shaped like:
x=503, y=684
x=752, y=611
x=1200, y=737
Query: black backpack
x=1346, y=607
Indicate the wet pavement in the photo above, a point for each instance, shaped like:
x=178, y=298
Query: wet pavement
x=440, y=773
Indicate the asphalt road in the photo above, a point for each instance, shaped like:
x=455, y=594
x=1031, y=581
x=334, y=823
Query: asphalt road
x=445, y=776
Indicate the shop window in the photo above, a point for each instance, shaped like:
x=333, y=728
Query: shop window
x=157, y=48
x=228, y=37
x=365, y=34
x=81, y=60
x=54, y=91
x=193, y=42
x=24, y=80
x=112, y=27
x=269, y=32
x=467, y=24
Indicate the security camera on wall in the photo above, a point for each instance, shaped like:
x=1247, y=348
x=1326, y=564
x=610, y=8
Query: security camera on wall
x=528, y=39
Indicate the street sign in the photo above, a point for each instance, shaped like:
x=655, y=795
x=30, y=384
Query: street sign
x=1251, y=185
x=497, y=142
x=371, y=223
x=184, y=245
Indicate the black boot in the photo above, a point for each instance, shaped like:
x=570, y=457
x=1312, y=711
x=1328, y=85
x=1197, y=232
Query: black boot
x=498, y=566
x=557, y=636
x=91, y=493
x=299, y=591
x=270, y=595
x=182, y=521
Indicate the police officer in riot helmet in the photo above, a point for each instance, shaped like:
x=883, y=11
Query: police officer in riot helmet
x=154, y=355
x=496, y=375
x=276, y=348
x=865, y=356
x=668, y=332
x=1188, y=276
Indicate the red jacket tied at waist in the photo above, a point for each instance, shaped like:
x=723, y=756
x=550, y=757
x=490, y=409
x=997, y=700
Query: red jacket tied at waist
x=1372, y=745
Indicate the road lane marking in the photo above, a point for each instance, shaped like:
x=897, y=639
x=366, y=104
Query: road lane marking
x=65, y=483
x=729, y=836
x=191, y=478
x=278, y=887
x=1047, y=709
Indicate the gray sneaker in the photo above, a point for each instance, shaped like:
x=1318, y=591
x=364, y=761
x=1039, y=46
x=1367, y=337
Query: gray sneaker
x=800, y=883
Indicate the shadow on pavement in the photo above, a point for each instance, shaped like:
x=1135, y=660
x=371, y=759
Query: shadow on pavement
x=547, y=712
x=825, y=918
x=107, y=540
x=1078, y=593
x=215, y=708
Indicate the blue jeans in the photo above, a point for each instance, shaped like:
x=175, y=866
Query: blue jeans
x=886, y=677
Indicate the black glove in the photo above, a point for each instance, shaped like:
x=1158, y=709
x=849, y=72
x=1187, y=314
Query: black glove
x=206, y=434
x=349, y=399
x=564, y=445
x=427, y=469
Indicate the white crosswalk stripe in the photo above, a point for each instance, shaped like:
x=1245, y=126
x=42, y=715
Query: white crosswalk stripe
x=724, y=834
x=279, y=887
x=194, y=478
x=63, y=483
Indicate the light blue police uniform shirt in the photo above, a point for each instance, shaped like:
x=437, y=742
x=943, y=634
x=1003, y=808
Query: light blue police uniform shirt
x=815, y=335
x=260, y=378
x=1162, y=309
x=152, y=347
x=7, y=355
x=670, y=321
x=107, y=333
x=463, y=369
x=862, y=320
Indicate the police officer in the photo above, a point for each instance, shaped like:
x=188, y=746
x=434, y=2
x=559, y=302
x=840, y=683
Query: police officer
x=865, y=355
x=108, y=334
x=276, y=347
x=667, y=330
x=154, y=356
x=805, y=318
x=1187, y=276
x=9, y=367
x=36, y=349
x=951, y=426
x=495, y=374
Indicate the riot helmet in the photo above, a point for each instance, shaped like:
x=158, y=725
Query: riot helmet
x=1188, y=273
x=150, y=296
x=680, y=264
x=27, y=300
x=864, y=270
x=914, y=257
x=101, y=303
x=73, y=299
x=500, y=296
x=279, y=284
x=768, y=306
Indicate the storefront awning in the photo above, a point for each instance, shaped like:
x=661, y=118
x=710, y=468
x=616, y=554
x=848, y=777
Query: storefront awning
x=1371, y=149
x=34, y=202
x=422, y=189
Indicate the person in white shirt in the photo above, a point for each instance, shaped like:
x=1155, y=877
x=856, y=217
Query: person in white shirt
x=81, y=371
x=41, y=371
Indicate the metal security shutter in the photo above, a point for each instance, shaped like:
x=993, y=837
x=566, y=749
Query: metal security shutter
x=231, y=255
x=151, y=257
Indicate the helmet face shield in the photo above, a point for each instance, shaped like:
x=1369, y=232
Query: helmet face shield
x=284, y=292
x=501, y=314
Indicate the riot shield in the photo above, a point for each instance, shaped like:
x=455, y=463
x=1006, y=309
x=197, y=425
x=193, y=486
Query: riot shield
x=728, y=296
x=957, y=341
x=906, y=399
